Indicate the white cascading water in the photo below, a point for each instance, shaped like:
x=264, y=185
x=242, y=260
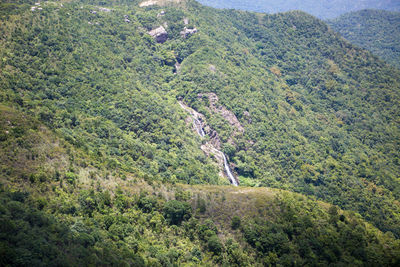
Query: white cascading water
x=200, y=131
x=228, y=171
x=197, y=125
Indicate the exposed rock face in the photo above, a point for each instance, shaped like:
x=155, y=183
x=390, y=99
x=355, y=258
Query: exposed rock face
x=212, y=68
x=148, y=3
x=162, y=13
x=103, y=9
x=225, y=113
x=198, y=122
x=209, y=150
x=159, y=34
x=211, y=147
x=214, y=137
x=177, y=67
x=215, y=141
x=158, y=2
x=186, y=32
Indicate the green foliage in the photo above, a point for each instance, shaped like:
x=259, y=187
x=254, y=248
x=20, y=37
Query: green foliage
x=214, y=245
x=301, y=232
x=319, y=8
x=147, y=203
x=375, y=30
x=311, y=123
x=32, y=237
x=201, y=205
x=133, y=135
x=176, y=211
x=87, y=201
x=235, y=224
x=90, y=126
x=298, y=236
x=70, y=177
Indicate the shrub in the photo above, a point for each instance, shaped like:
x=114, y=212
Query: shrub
x=176, y=211
x=147, y=204
x=71, y=177
x=214, y=245
x=235, y=222
x=201, y=204
x=138, y=261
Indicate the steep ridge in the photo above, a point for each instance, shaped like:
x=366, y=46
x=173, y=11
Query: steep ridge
x=307, y=113
x=375, y=30
x=320, y=118
x=323, y=9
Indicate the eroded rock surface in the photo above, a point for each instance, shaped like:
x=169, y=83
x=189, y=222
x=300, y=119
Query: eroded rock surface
x=213, y=145
x=228, y=115
x=159, y=34
x=186, y=32
x=158, y=2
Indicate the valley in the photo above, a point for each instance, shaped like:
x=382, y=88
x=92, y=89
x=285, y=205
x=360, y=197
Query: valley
x=168, y=133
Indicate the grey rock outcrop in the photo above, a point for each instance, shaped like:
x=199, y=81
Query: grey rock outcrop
x=159, y=34
x=177, y=67
x=186, y=32
x=228, y=115
x=212, y=146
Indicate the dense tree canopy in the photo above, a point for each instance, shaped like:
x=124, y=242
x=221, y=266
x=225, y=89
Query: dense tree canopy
x=375, y=30
x=96, y=153
x=320, y=8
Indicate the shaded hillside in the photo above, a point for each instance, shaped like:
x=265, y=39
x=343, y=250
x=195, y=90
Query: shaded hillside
x=313, y=108
x=375, y=30
x=66, y=211
x=93, y=137
x=319, y=8
x=320, y=116
x=88, y=77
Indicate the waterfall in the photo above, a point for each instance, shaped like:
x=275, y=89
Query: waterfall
x=196, y=121
x=228, y=171
x=197, y=125
x=199, y=129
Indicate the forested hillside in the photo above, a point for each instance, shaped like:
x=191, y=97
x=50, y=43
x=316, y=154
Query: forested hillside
x=111, y=116
x=60, y=207
x=375, y=30
x=321, y=8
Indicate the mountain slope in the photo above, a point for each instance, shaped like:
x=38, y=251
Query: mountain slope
x=375, y=30
x=322, y=9
x=291, y=104
x=90, y=81
x=61, y=211
x=310, y=104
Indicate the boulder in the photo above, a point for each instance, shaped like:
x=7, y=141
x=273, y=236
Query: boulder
x=159, y=34
x=186, y=32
